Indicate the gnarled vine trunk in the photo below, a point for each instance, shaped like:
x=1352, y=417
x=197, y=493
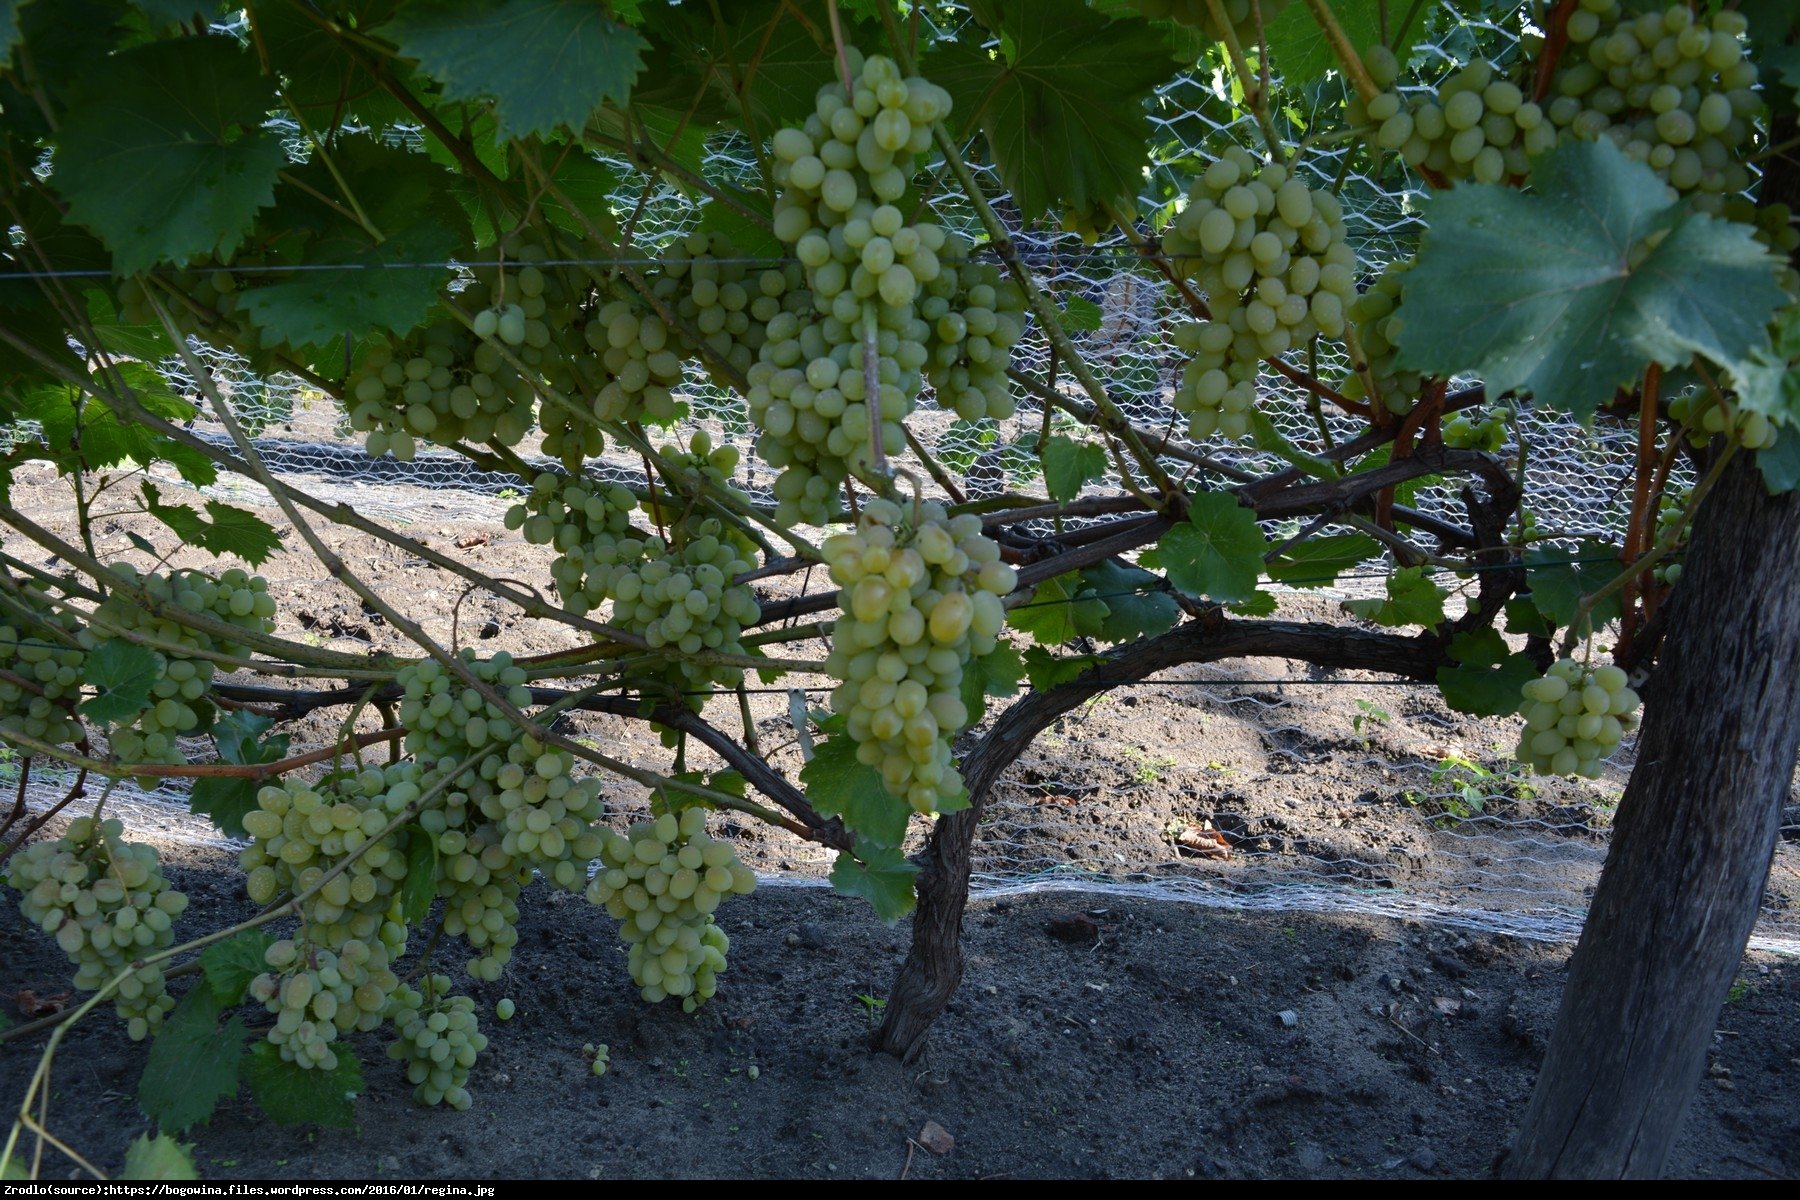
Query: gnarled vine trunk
x=1690, y=851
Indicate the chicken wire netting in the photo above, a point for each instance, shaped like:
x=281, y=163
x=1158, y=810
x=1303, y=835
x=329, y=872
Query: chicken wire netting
x=1242, y=784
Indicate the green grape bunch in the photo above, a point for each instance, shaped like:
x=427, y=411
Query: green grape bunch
x=178, y=703
x=1471, y=431
x=41, y=655
x=439, y=1038
x=662, y=881
x=585, y=520
x=976, y=319
x=921, y=598
x=318, y=994
x=1701, y=418
x=1477, y=124
x=107, y=904
x=1574, y=716
x=726, y=300
x=1376, y=316
x=1271, y=256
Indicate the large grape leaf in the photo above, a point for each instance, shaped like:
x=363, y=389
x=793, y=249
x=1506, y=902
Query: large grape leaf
x=1558, y=580
x=318, y=76
x=1053, y=616
x=1568, y=292
x=994, y=674
x=879, y=874
x=1298, y=48
x=546, y=63
x=164, y=155
x=231, y=965
x=9, y=29
x=121, y=674
x=1487, y=676
x=234, y=531
x=1216, y=553
x=1317, y=562
x=193, y=1064
x=293, y=1095
x=226, y=798
x=1412, y=599
x=159, y=1157
x=1135, y=603
x=837, y=785
x=1061, y=104
x=1070, y=465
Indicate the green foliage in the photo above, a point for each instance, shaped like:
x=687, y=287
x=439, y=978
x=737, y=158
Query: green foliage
x=1051, y=617
x=1318, y=561
x=1568, y=292
x=121, y=674
x=193, y=1064
x=81, y=433
x=545, y=63
x=1135, y=603
x=1559, y=578
x=159, y=1157
x=227, y=798
x=1217, y=552
x=419, y=888
x=293, y=1095
x=997, y=674
x=230, y=965
x=232, y=531
x=1412, y=599
x=879, y=874
x=1069, y=466
x=182, y=120
x=838, y=785
x=1061, y=103
x=1487, y=676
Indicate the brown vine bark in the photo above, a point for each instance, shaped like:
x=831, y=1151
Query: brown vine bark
x=1690, y=852
x=934, y=964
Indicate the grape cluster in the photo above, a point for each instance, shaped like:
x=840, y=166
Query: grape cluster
x=643, y=368
x=1672, y=89
x=599, y=1056
x=107, y=904
x=178, y=697
x=1271, y=256
x=843, y=175
x=1477, y=125
x=1574, y=716
x=439, y=1040
x=921, y=597
x=316, y=994
x=38, y=643
x=976, y=318
x=1667, y=571
x=662, y=881
x=585, y=520
x=1376, y=316
x=729, y=303
x=1700, y=414
x=1465, y=432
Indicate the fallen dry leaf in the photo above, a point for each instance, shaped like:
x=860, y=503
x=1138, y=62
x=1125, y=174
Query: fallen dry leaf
x=1205, y=843
x=469, y=541
x=33, y=1005
x=936, y=1138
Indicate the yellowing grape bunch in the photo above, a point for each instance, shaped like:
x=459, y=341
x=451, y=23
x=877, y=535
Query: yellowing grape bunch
x=662, y=881
x=921, y=597
x=1574, y=717
x=1270, y=254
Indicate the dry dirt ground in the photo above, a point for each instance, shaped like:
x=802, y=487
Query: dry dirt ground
x=1361, y=987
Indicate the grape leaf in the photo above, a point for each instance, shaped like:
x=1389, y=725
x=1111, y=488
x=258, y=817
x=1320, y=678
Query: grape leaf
x=1081, y=315
x=545, y=62
x=1780, y=464
x=1317, y=562
x=159, y=1157
x=83, y=434
x=170, y=12
x=317, y=76
x=1523, y=617
x=192, y=1064
x=233, y=531
x=1052, y=616
x=1069, y=465
x=9, y=29
x=994, y=674
x=838, y=785
x=1045, y=670
x=182, y=120
x=1558, y=580
x=225, y=798
x=1538, y=291
x=293, y=1095
x=122, y=673
x=1487, y=677
x=588, y=186
x=1299, y=50
x=1217, y=552
x=230, y=965
x=392, y=287
x=1062, y=108
x=1260, y=604
x=1136, y=605
x=879, y=874
x=419, y=887
x=1412, y=599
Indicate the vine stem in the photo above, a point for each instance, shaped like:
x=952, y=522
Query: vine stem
x=1254, y=94
x=1348, y=59
x=100, y=766
x=1637, y=529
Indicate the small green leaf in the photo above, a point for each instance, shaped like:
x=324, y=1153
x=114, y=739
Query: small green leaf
x=1070, y=465
x=1780, y=464
x=994, y=674
x=1045, y=670
x=1558, y=580
x=9, y=29
x=838, y=785
x=226, y=798
x=1412, y=599
x=122, y=673
x=1136, y=604
x=192, y=1064
x=1081, y=315
x=879, y=874
x=1051, y=616
x=1570, y=290
x=1217, y=552
x=161, y=1157
x=232, y=531
x=1523, y=617
x=420, y=886
x=183, y=121
x=293, y=1095
x=1488, y=676
x=391, y=287
x=546, y=63
x=230, y=965
x=1299, y=50
x=1261, y=604
x=1317, y=562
